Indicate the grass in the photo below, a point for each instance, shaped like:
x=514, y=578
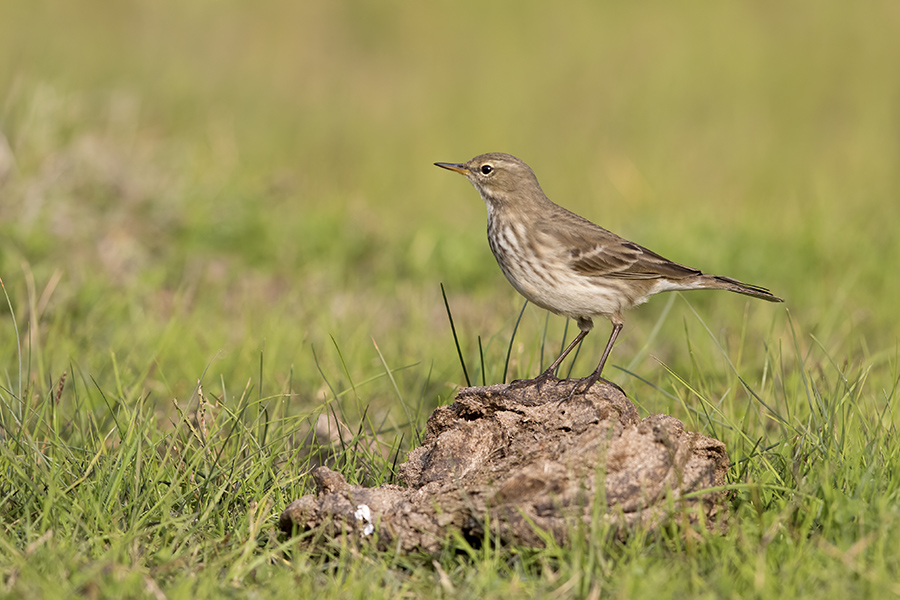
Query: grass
x=220, y=225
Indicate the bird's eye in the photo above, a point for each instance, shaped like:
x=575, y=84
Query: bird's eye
x=486, y=169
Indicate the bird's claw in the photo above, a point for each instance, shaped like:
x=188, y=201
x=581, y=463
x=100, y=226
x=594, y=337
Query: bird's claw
x=536, y=382
x=582, y=386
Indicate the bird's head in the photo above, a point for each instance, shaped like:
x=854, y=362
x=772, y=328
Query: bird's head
x=499, y=178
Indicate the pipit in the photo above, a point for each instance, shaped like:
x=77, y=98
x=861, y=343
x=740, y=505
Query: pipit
x=568, y=265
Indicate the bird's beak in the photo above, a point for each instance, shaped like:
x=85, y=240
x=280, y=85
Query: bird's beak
x=458, y=167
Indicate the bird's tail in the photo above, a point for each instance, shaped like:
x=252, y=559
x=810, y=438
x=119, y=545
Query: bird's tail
x=716, y=282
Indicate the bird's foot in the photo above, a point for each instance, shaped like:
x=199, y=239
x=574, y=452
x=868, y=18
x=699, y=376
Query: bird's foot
x=582, y=386
x=537, y=382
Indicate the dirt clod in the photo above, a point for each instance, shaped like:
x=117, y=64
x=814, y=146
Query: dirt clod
x=532, y=460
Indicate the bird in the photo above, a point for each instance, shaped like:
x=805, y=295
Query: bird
x=567, y=264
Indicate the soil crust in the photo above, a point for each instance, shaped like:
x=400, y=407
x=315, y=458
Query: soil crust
x=531, y=462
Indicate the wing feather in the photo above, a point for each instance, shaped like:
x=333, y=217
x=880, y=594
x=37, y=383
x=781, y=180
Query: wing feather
x=593, y=251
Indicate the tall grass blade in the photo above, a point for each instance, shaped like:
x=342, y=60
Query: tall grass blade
x=511, y=340
x=462, y=361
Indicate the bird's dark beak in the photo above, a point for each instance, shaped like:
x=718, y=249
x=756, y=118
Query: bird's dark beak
x=458, y=167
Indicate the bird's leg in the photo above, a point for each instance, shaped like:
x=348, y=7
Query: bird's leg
x=552, y=368
x=617, y=327
x=586, y=383
x=548, y=374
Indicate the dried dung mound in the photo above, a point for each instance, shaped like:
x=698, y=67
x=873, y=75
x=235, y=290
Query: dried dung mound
x=533, y=460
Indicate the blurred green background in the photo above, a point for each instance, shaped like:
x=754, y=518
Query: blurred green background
x=186, y=185
x=242, y=194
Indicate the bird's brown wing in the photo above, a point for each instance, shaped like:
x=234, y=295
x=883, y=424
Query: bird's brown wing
x=627, y=260
x=595, y=252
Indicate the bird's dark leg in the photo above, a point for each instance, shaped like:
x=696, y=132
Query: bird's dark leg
x=552, y=368
x=586, y=383
x=548, y=374
x=617, y=327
